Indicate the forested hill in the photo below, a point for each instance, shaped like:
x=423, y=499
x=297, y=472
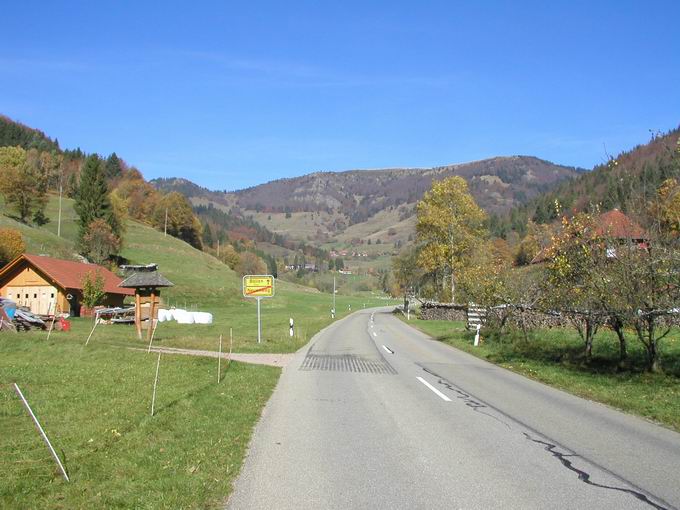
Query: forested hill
x=625, y=182
x=498, y=184
x=14, y=134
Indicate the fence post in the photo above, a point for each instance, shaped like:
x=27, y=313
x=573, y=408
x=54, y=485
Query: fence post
x=42, y=432
x=155, y=383
x=219, y=361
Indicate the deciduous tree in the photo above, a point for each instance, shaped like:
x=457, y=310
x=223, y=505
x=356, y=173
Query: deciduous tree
x=21, y=183
x=11, y=245
x=99, y=242
x=449, y=225
x=181, y=220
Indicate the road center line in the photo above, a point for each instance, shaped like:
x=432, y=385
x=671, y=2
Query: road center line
x=388, y=349
x=435, y=390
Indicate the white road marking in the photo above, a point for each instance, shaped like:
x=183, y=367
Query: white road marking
x=435, y=390
x=375, y=334
x=388, y=349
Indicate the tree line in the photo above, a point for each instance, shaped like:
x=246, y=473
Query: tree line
x=591, y=270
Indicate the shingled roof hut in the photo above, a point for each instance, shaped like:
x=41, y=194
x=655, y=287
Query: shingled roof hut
x=146, y=282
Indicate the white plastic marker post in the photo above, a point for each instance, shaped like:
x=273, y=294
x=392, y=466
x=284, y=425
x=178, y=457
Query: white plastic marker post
x=434, y=390
x=219, y=361
x=42, y=432
x=292, y=331
x=54, y=318
x=231, y=343
x=153, y=332
x=90, y=335
x=477, y=335
x=155, y=383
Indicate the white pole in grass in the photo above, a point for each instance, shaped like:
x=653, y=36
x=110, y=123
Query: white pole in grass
x=219, y=361
x=42, y=432
x=231, y=342
x=155, y=383
x=479, y=326
x=90, y=335
x=49, y=332
x=153, y=332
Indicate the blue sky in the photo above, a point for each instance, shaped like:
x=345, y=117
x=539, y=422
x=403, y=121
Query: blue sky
x=232, y=94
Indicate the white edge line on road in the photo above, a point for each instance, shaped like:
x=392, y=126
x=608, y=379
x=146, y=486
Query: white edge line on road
x=388, y=349
x=435, y=390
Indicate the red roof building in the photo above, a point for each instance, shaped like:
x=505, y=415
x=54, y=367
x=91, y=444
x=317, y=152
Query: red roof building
x=613, y=225
x=46, y=284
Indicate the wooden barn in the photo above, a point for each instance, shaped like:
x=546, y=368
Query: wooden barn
x=37, y=282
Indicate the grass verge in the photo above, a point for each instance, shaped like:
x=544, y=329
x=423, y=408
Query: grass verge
x=94, y=404
x=554, y=357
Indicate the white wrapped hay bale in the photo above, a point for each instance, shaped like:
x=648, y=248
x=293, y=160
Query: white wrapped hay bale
x=162, y=315
x=184, y=317
x=203, y=318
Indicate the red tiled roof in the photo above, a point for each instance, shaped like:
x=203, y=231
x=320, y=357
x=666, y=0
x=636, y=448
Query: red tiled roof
x=619, y=226
x=69, y=274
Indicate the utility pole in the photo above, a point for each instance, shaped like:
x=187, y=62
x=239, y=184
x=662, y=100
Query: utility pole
x=165, y=231
x=59, y=220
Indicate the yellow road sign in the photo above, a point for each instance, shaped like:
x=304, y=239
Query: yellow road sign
x=258, y=286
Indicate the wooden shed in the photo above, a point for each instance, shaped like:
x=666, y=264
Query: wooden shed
x=40, y=283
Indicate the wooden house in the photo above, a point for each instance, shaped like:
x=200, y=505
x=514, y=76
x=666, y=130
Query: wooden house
x=43, y=283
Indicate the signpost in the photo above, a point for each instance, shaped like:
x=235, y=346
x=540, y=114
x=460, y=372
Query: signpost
x=258, y=286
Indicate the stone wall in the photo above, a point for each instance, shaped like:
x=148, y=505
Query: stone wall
x=442, y=312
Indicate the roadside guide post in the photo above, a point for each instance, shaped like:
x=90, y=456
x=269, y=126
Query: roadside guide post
x=258, y=286
x=292, y=332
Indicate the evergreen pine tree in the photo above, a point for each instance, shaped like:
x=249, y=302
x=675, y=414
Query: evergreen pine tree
x=92, y=200
x=112, y=168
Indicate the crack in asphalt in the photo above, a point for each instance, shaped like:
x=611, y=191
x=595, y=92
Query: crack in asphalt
x=465, y=397
x=585, y=477
x=476, y=406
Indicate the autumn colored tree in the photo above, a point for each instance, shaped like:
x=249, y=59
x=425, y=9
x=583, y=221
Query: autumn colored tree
x=21, y=184
x=666, y=208
x=450, y=226
x=99, y=242
x=229, y=256
x=250, y=263
x=93, y=288
x=576, y=280
x=645, y=290
x=11, y=245
x=139, y=197
x=181, y=220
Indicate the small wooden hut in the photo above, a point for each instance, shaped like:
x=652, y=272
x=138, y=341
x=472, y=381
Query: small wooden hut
x=146, y=282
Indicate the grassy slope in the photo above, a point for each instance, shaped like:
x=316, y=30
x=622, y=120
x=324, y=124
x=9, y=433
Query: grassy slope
x=554, y=357
x=202, y=283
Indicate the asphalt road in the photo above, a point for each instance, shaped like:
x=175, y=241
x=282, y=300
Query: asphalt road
x=376, y=415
